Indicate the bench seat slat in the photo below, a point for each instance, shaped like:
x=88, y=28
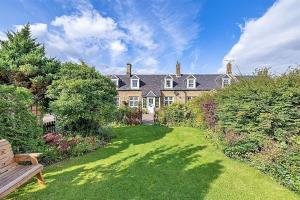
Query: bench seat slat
x=9, y=181
x=13, y=175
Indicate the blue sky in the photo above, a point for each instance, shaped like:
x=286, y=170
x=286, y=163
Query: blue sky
x=154, y=34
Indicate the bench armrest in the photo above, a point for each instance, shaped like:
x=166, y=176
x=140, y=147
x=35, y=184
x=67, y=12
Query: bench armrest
x=30, y=157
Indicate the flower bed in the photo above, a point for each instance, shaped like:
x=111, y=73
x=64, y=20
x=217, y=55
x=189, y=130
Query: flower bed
x=60, y=146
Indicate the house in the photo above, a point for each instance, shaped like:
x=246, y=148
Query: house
x=155, y=91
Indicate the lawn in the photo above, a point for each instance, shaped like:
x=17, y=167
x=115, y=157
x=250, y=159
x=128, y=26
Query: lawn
x=155, y=162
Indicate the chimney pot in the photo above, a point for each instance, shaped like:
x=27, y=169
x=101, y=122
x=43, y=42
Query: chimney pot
x=178, y=73
x=229, y=68
x=128, y=72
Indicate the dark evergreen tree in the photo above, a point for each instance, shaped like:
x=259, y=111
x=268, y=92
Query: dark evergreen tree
x=23, y=62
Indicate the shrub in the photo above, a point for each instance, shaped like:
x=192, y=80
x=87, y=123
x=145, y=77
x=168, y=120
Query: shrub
x=242, y=149
x=259, y=121
x=263, y=104
x=17, y=124
x=129, y=116
x=196, y=112
x=83, y=99
x=60, y=146
x=176, y=114
x=283, y=163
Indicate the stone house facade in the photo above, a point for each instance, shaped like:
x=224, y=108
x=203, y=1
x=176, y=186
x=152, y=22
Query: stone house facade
x=156, y=91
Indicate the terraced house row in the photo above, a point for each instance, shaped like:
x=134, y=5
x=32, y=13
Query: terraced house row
x=155, y=91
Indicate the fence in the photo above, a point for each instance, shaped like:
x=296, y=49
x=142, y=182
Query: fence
x=49, y=127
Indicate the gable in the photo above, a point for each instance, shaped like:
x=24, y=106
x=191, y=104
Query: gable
x=113, y=77
x=168, y=77
x=150, y=94
x=191, y=76
x=135, y=77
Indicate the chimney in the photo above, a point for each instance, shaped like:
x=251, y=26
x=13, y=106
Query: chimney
x=128, y=72
x=229, y=68
x=178, y=74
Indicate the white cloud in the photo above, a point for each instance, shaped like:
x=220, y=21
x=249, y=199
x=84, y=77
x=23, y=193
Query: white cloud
x=140, y=34
x=272, y=40
x=149, y=66
x=86, y=35
x=134, y=34
x=2, y=36
x=89, y=23
x=178, y=26
x=118, y=47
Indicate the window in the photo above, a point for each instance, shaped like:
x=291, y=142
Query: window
x=225, y=82
x=168, y=101
x=116, y=82
x=191, y=83
x=168, y=83
x=133, y=101
x=117, y=101
x=189, y=98
x=157, y=103
x=135, y=83
x=144, y=102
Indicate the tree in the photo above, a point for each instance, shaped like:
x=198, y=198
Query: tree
x=83, y=99
x=23, y=62
x=17, y=124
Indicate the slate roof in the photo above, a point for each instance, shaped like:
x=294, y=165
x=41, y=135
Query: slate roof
x=155, y=83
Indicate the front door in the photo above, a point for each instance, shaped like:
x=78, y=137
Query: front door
x=150, y=104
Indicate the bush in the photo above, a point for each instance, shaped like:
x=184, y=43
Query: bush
x=265, y=105
x=83, y=99
x=242, y=149
x=196, y=112
x=129, y=116
x=61, y=146
x=176, y=114
x=17, y=124
x=259, y=121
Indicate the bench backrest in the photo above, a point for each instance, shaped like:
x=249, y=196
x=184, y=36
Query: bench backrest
x=6, y=156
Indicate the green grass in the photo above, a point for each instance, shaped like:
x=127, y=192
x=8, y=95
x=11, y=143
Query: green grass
x=154, y=162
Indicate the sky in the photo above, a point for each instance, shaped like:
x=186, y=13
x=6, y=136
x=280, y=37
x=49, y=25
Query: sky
x=153, y=34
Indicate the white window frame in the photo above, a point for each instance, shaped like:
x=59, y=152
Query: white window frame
x=168, y=101
x=157, y=105
x=138, y=83
x=226, y=79
x=194, y=83
x=171, y=83
x=116, y=82
x=133, y=100
x=117, y=101
x=190, y=98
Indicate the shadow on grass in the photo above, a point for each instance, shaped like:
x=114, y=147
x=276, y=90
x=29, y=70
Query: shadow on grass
x=126, y=136
x=163, y=172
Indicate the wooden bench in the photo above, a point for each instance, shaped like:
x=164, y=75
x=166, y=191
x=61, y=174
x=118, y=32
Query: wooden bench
x=13, y=175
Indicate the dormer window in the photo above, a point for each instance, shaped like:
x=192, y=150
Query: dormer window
x=169, y=82
x=191, y=82
x=225, y=82
x=135, y=82
x=116, y=82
